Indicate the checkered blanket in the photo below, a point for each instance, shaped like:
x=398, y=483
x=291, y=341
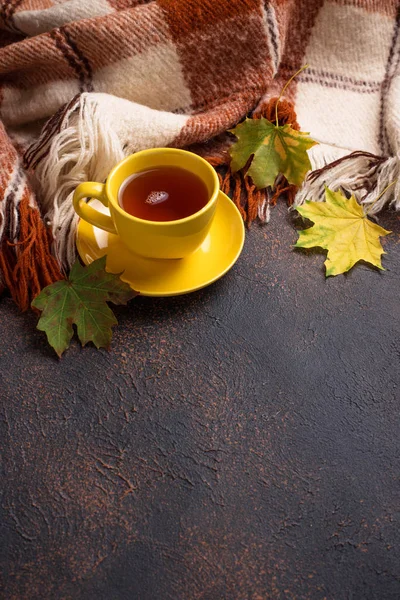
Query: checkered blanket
x=85, y=82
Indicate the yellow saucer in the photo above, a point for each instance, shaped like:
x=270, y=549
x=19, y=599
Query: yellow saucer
x=152, y=277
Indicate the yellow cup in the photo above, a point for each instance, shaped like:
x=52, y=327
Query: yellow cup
x=152, y=239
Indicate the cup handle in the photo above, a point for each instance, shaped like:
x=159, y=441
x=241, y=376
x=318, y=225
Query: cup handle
x=85, y=191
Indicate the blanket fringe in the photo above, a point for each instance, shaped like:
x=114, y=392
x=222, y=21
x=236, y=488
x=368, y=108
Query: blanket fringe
x=251, y=202
x=27, y=265
x=361, y=174
x=78, y=144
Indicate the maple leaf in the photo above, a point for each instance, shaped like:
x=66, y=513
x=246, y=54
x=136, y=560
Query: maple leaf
x=82, y=301
x=342, y=228
x=275, y=149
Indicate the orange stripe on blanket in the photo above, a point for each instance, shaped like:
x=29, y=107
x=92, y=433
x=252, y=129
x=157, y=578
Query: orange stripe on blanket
x=219, y=56
x=192, y=16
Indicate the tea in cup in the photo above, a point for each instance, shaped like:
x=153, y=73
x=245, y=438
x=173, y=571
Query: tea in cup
x=162, y=202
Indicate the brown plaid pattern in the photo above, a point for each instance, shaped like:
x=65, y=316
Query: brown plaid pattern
x=203, y=63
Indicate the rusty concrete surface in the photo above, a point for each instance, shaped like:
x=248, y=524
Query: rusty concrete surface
x=238, y=443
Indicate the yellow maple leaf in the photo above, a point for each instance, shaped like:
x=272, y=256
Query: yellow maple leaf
x=342, y=228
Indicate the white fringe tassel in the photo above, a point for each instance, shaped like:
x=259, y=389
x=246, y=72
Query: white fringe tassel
x=86, y=149
x=362, y=174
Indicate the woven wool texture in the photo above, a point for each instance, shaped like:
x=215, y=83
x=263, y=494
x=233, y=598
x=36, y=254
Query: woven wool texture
x=85, y=82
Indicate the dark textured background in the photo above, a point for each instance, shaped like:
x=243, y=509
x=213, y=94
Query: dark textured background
x=238, y=443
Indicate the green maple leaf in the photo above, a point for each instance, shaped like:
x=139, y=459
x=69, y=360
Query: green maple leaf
x=275, y=149
x=342, y=228
x=82, y=301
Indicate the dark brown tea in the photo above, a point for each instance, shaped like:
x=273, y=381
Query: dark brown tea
x=163, y=194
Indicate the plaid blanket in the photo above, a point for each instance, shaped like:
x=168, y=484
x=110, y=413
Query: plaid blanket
x=85, y=82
